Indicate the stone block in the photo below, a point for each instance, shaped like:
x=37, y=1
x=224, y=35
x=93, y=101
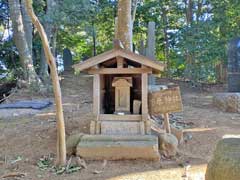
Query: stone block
x=229, y=102
x=168, y=144
x=120, y=128
x=109, y=147
x=225, y=164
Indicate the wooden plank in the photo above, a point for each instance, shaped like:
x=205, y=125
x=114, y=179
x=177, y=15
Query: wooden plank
x=120, y=62
x=165, y=101
x=96, y=94
x=148, y=127
x=166, y=123
x=145, y=96
x=157, y=66
x=95, y=60
x=93, y=127
x=115, y=117
x=136, y=106
x=120, y=71
x=141, y=59
x=102, y=92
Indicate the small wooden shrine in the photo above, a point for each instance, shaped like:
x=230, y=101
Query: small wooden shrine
x=120, y=79
x=120, y=106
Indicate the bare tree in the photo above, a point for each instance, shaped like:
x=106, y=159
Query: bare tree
x=61, y=144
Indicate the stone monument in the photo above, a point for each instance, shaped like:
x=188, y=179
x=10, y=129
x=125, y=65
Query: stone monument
x=230, y=101
x=67, y=59
x=234, y=65
x=150, y=51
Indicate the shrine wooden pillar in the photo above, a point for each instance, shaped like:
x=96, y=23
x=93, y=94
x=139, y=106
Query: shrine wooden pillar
x=96, y=94
x=146, y=122
x=95, y=125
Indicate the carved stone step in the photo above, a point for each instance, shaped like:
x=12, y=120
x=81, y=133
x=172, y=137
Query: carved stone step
x=109, y=147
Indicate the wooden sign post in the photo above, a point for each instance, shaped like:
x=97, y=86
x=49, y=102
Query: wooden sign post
x=164, y=102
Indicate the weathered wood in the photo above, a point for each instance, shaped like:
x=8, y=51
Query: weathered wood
x=96, y=94
x=114, y=117
x=147, y=124
x=145, y=95
x=98, y=127
x=142, y=128
x=93, y=127
x=95, y=60
x=166, y=123
x=165, y=101
x=122, y=93
x=120, y=62
x=155, y=65
x=136, y=106
x=61, y=144
x=120, y=71
x=102, y=92
x=158, y=66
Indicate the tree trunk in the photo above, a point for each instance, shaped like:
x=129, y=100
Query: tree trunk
x=166, y=42
x=29, y=73
x=134, y=10
x=189, y=12
x=49, y=29
x=189, y=56
x=124, y=24
x=61, y=144
x=94, y=39
x=27, y=25
x=199, y=9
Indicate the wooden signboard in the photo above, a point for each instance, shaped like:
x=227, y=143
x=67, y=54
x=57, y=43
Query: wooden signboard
x=165, y=101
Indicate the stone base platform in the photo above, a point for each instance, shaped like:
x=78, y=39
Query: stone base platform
x=118, y=147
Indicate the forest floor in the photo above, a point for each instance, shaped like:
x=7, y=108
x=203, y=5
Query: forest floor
x=26, y=137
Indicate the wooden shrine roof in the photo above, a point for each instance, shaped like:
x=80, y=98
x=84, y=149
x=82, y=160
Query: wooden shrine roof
x=156, y=66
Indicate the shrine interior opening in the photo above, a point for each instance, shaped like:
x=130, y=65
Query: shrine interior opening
x=108, y=92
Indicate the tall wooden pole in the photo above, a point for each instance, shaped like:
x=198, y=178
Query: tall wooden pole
x=61, y=144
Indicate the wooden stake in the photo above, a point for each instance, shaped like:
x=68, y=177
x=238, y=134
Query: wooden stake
x=61, y=143
x=166, y=123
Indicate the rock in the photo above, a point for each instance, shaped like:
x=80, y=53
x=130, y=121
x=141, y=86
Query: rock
x=72, y=142
x=118, y=147
x=168, y=144
x=229, y=102
x=225, y=164
x=178, y=133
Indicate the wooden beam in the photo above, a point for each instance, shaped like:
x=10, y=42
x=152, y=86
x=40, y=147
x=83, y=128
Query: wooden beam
x=145, y=96
x=120, y=62
x=95, y=60
x=114, y=117
x=120, y=71
x=141, y=59
x=96, y=94
x=156, y=65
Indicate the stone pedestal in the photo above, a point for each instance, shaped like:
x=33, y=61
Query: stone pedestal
x=110, y=147
x=225, y=164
